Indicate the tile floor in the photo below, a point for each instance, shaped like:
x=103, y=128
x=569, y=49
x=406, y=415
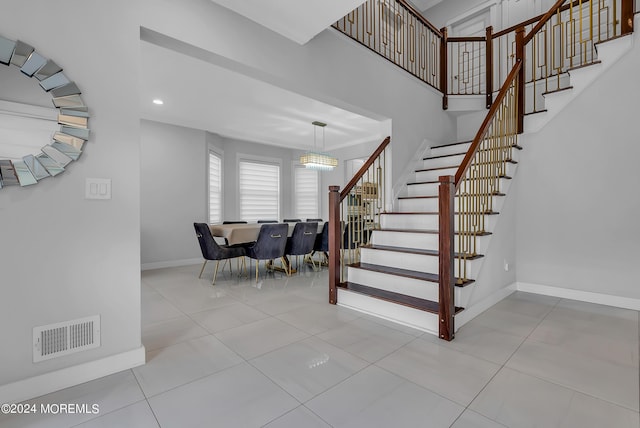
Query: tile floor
x=275, y=354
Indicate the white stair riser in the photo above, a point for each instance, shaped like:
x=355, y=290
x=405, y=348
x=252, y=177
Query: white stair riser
x=457, y=160
x=540, y=88
x=421, y=320
x=438, y=162
x=396, y=259
x=433, y=175
x=431, y=204
x=433, y=188
x=397, y=284
x=409, y=261
x=447, y=150
x=417, y=205
x=422, y=189
x=421, y=241
x=423, y=221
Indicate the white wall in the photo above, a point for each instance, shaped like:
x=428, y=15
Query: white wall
x=65, y=257
x=173, y=191
x=505, y=12
x=330, y=68
x=174, y=187
x=577, y=190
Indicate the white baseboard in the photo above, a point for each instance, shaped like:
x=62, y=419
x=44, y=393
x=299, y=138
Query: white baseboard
x=470, y=313
x=583, y=296
x=54, y=381
x=171, y=263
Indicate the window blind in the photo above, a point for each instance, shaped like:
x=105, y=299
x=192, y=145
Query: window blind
x=259, y=191
x=306, y=193
x=215, y=188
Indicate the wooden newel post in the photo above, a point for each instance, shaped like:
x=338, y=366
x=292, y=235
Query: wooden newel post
x=521, y=77
x=489, y=67
x=334, y=243
x=626, y=17
x=446, y=192
x=443, y=69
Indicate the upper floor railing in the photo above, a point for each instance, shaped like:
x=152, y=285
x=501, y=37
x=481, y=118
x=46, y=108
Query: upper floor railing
x=563, y=38
x=395, y=30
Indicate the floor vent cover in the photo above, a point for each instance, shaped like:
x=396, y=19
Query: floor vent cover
x=56, y=340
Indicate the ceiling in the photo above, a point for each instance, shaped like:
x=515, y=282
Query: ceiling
x=298, y=20
x=201, y=95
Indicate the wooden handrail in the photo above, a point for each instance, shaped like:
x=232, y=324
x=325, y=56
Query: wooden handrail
x=347, y=189
x=419, y=16
x=464, y=166
x=546, y=17
x=466, y=39
x=534, y=19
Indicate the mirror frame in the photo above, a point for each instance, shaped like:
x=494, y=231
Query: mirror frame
x=73, y=117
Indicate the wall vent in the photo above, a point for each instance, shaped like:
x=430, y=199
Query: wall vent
x=64, y=338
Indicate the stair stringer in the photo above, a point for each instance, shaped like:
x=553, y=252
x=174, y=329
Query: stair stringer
x=493, y=279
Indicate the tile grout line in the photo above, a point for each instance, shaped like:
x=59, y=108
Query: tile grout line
x=504, y=365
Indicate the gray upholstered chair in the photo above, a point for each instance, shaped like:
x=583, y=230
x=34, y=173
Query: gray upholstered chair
x=301, y=241
x=212, y=251
x=270, y=245
x=321, y=244
x=267, y=221
x=292, y=220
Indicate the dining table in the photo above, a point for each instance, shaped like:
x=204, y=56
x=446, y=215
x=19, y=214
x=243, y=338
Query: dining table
x=241, y=233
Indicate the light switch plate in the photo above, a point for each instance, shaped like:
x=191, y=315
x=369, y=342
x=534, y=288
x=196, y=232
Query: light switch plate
x=98, y=188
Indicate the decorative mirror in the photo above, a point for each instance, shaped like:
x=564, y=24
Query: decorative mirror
x=66, y=126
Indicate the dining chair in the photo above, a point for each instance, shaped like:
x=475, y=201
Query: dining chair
x=211, y=250
x=266, y=221
x=270, y=245
x=292, y=220
x=319, y=220
x=321, y=245
x=301, y=241
x=234, y=222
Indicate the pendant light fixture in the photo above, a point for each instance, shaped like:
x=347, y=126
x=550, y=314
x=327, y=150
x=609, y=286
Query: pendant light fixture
x=318, y=159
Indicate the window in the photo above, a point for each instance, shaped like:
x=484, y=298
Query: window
x=215, y=188
x=306, y=192
x=259, y=191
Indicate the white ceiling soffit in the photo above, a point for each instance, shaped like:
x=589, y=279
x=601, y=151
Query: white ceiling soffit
x=298, y=20
x=423, y=5
x=200, y=95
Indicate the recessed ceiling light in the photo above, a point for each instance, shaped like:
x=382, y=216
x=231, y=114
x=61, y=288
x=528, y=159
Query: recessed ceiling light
x=158, y=101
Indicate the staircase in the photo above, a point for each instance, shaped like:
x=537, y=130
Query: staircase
x=397, y=276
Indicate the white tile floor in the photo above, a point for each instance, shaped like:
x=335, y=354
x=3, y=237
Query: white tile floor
x=276, y=354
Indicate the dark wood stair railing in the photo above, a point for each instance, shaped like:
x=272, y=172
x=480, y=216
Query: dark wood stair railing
x=485, y=161
x=365, y=196
x=490, y=150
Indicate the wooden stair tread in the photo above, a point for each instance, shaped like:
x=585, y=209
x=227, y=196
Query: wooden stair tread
x=414, y=251
x=452, y=144
x=458, y=154
x=444, y=156
x=428, y=231
x=390, y=296
x=589, y=64
x=406, y=273
x=437, y=168
x=557, y=90
x=619, y=36
x=506, y=177
x=436, y=196
x=432, y=213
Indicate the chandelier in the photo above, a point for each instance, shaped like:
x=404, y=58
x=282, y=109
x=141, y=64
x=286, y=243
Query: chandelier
x=318, y=159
